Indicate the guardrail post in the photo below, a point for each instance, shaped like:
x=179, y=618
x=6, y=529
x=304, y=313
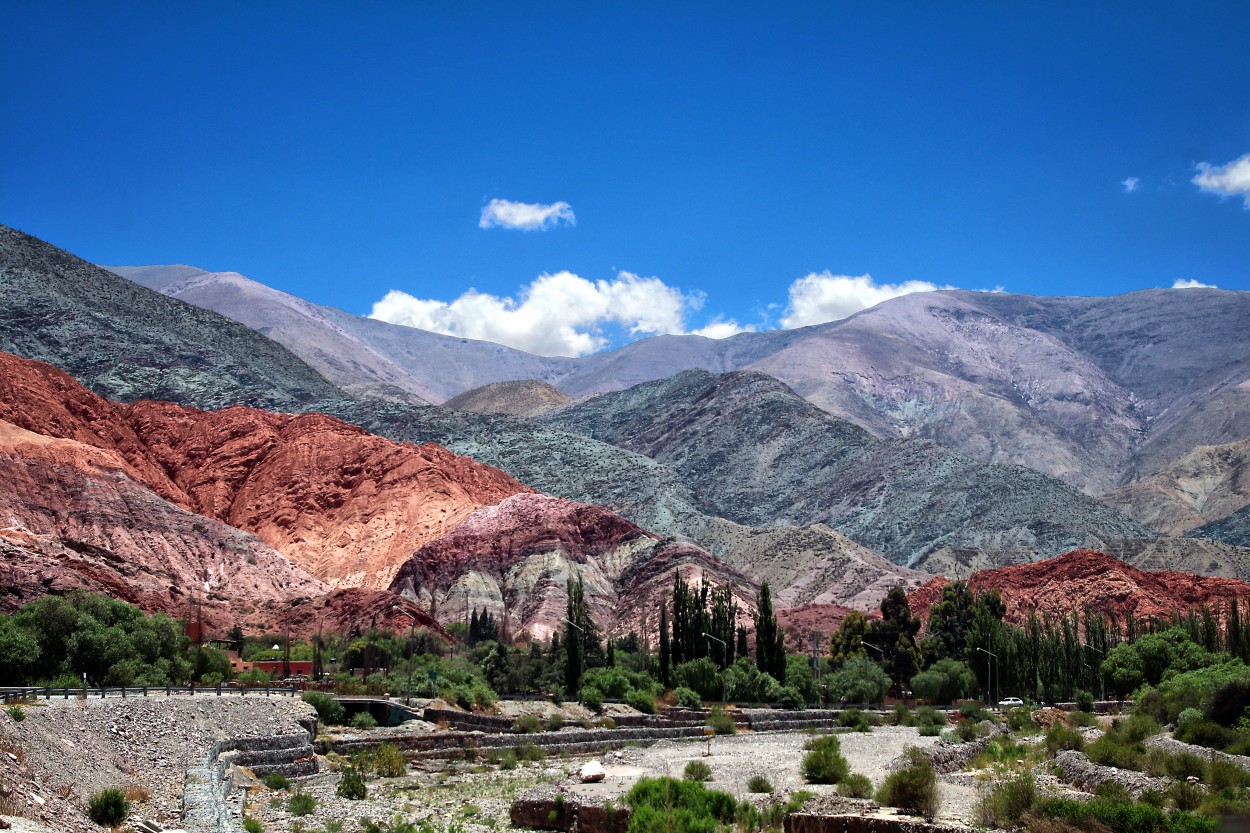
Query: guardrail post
x=218, y=689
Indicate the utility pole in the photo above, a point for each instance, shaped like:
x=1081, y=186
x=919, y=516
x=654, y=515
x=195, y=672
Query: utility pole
x=989, y=695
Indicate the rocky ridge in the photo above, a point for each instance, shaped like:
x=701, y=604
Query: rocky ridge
x=522, y=398
x=127, y=342
x=1204, y=485
x=753, y=451
x=1087, y=579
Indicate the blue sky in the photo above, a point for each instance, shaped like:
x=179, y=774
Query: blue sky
x=716, y=162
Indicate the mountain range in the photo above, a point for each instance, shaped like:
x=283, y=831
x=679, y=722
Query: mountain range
x=295, y=464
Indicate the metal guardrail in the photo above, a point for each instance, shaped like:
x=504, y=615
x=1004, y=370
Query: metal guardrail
x=32, y=693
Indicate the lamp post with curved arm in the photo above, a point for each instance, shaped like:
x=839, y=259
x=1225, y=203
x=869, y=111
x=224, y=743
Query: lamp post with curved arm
x=989, y=698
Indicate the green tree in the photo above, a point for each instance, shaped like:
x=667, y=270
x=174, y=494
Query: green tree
x=950, y=619
x=770, y=647
x=847, y=642
x=946, y=681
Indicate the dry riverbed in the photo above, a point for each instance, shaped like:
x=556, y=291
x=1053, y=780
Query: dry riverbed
x=475, y=797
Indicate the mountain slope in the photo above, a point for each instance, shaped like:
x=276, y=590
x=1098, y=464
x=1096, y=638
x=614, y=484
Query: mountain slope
x=522, y=398
x=650, y=494
x=307, y=330
x=1234, y=529
x=755, y=452
x=1204, y=485
x=128, y=342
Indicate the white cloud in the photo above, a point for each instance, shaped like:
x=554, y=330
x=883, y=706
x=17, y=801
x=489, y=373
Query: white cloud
x=556, y=315
x=1130, y=184
x=822, y=297
x=722, y=328
x=1229, y=180
x=1190, y=283
x=527, y=216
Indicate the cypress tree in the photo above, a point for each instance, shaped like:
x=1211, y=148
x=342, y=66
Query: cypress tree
x=665, y=651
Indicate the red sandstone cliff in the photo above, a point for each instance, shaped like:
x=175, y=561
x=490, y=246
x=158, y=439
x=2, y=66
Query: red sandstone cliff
x=1085, y=578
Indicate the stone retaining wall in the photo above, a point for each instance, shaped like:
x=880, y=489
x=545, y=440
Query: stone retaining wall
x=1080, y=771
x=210, y=803
x=1176, y=747
x=547, y=808
x=811, y=823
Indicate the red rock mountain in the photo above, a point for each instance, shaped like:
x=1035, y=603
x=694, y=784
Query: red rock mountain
x=343, y=504
x=1085, y=578
x=515, y=558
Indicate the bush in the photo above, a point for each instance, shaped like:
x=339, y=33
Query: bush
x=929, y=716
x=928, y=730
x=388, y=761
x=1020, y=719
x=329, y=710
x=16, y=712
x=528, y=752
x=1085, y=701
x=352, y=785
x=1226, y=775
x=855, y=785
x=640, y=700
x=1082, y=719
x=276, y=781
x=902, y=715
x=1007, y=802
x=914, y=788
x=507, y=761
x=687, y=698
x=697, y=771
x=108, y=807
x=1060, y=737
x=1110, y=751
x=1208, y=733
x=791, y=699
x=855, y=719
x=251, y=825
x=666, y=805
x=1229, y=703
x=592, y=698
x=554, y=723
x=527, y=724
x=969, y=730
x=823, y=763
x=301, y=804
x=364, y=720
x=720, y=722
x=759, y=784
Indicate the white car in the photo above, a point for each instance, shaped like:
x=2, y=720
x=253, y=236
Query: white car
x=1010, y=702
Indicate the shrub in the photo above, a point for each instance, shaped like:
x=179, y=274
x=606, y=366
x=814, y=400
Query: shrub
x=251, y=825
x=301, y=804
x=640, y=700
x=507, y=761
x=388, y=761
x=1060, y=737
x=364, y=720
x=1085, y=701
x=902, y=715
x=720, y=722
x=969, y=730
x=276, y=781
x=1020, y=719
x=688, y=698
x=855, y=719
x=592, y=698
x=791, y=699
x=527, y=724
x=666, y=805
x=1082, y=719
x=697, y=771
x=1226, y=775
x=912, y=789
x=759, y=784
x=16, y=712
x=108, y=807
x=929, y=716
x=974, y=711
x=1108, y=750
x=1229, y=703
x=352, y=785
x=329, y=710
x=823, y=763
x=1186, y=796
x=529, y=752
x=928, y=730
x=855, y=785
x=1007, y=802
x=1203, y=732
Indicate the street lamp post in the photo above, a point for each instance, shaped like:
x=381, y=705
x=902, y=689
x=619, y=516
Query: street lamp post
x=864, y=644
x=989, y=698
x=723, y=647
x=412, y=625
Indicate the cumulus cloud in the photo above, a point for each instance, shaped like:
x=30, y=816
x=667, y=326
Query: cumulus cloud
x=556, y=315
x=1231, y=180
x=527, y=216
x=722, y=328
x=821, y=297
x=1190, y=283
x=1130, y=184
